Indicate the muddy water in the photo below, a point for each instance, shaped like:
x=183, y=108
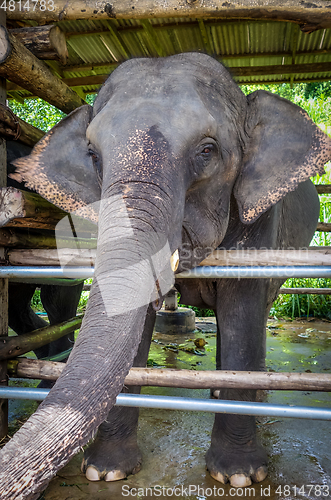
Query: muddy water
x=173, y=444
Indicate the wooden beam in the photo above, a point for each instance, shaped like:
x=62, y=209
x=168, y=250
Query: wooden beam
x=281, y=80
x=41, y=257
x=13, y=128
x=90, y=67
x=304, y=291
x=317, y=256
x=85, y=80
x=310, y=15
x=21, y=238
x=281, y=69
x=31, y=208
x=19, y=65
x=45, y=42
x=325, y=227
x=223, y=57
x=21, y=344
x=237, y=72
x=188, y=379
x=323, y=188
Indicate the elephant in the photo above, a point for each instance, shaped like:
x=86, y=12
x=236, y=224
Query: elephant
x=60, y=301
x=171, y=162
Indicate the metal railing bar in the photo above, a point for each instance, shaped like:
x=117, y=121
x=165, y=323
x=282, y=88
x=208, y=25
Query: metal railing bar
x=188, y=404
x=213, y=272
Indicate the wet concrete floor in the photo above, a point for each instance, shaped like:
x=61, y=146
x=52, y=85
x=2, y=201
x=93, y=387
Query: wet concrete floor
x=173, y=443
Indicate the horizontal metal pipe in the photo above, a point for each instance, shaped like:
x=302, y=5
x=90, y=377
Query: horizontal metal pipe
x=188, y=404
x=257, y=272
x=197, y=272
x=46, y=272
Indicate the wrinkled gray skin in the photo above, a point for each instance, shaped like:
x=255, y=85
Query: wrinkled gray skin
x=184, y=160
x=60, y=302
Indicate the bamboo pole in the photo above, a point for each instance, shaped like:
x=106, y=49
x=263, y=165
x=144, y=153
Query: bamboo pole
x=20, y=66
x=286, y=10
x=11, y=347
x=50, y=370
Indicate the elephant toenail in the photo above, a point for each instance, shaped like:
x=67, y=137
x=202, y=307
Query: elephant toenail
x=240, y=480
x=219, y=477
x=114, y=475
x=92, y=474
x=260, y=474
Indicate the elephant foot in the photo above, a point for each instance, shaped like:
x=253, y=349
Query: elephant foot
x=239, y=468
x=111, y=461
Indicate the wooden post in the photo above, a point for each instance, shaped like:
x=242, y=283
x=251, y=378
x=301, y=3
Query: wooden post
x=3, y=282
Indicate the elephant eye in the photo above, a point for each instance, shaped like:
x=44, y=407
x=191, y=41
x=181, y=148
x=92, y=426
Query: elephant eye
x=207, y=151
x=97, y=164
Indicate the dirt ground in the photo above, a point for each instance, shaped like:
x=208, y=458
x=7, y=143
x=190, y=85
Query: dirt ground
x=173, y=443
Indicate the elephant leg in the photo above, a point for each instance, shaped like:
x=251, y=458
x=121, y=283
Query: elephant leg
x=235, y=455
x=21, y=317
x=114, y=454
x=60, y=303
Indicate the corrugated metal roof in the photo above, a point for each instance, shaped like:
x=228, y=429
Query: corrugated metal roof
x=254, y=50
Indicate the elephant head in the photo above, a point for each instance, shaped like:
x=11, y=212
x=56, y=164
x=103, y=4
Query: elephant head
x=156, y=160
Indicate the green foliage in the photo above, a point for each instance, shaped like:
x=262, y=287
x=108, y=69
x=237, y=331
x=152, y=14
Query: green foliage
x=84, y=297
x=37, y=112
x=295, y=305
x=36, y=303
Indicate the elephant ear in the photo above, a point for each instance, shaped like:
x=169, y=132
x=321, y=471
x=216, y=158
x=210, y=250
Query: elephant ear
x=60, y=167
x=283, y=147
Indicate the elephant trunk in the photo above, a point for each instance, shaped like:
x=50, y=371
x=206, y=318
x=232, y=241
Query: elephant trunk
x=132, y=255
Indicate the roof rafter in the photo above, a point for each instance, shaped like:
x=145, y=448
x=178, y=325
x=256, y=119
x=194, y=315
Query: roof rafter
x=312, y=15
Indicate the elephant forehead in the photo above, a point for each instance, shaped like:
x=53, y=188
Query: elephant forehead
x=180, y=119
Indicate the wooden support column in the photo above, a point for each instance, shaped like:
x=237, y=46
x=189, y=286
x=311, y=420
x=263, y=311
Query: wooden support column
x=3, y=282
